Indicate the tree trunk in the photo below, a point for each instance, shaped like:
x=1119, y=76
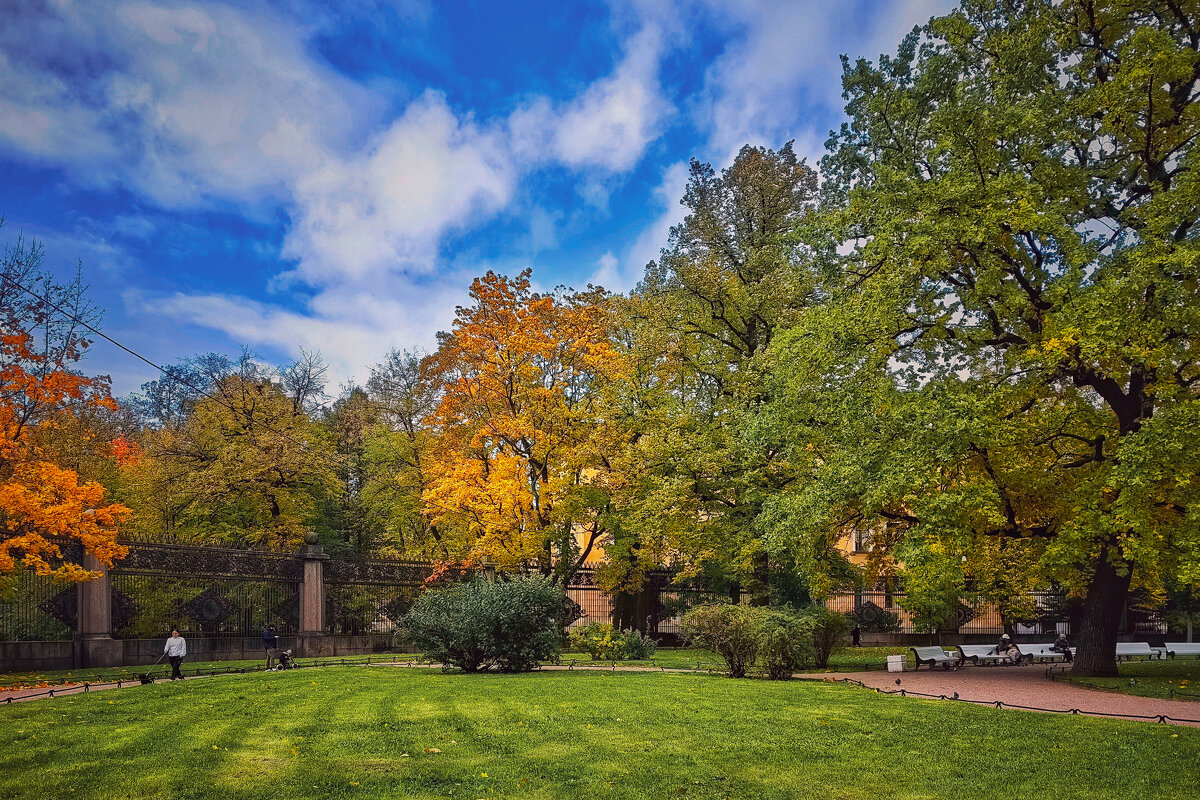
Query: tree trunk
x=1101, y=619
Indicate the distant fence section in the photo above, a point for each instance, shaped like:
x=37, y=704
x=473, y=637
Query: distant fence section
x=224, y=597
x=883, y=612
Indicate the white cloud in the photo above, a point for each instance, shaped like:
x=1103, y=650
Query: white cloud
x=609, y=124
x=352, y=327
x=782, y=57
x=387, y=209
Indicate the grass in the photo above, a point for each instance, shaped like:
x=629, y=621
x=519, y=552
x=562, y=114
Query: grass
x=667, y=658
x=98, y=674
x=1177, y=678
x=376, y=732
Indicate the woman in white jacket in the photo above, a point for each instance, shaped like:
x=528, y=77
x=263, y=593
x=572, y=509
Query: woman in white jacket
x=176, y=649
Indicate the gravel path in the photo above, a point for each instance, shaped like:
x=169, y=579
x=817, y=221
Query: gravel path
x=1022, y=686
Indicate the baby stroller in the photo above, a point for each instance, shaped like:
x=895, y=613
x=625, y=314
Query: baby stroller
x=286, y=661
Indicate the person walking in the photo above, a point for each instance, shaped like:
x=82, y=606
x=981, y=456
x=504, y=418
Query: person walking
x=175, y=649
x=270, y=643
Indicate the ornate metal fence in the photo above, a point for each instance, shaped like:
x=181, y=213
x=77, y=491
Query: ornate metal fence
x=205, y=591
x=370, y=596
x=657, y=608
x=37, y=608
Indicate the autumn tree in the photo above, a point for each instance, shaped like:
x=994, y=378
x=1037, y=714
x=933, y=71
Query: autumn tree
x=1008, y=367
x=243, y=467
x=43, y=502
x=515, y=474
x=702, y=320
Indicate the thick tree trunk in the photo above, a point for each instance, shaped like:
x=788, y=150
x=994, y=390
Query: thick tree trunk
x=1101, y=619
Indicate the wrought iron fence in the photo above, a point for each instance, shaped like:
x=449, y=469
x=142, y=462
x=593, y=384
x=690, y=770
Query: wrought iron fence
x=370, y=596
x=204, y=591
x=37, y=608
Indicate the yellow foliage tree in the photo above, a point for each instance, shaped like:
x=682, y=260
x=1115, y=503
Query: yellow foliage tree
x=518, y=469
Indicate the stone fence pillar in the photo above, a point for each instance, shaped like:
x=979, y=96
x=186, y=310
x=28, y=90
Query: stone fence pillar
x=312, y=599
x=96, y=647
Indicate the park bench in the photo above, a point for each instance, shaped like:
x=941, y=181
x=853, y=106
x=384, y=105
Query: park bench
x=936, y=656
x=1128, y=650
x=1042, y=652
x=1182, y=649
x=979, y=654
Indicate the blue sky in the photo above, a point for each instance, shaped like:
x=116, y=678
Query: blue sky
x=284, y=174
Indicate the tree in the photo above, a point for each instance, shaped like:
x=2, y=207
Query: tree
x=398, y=456
x=244, y=467
x=1009, y=365
x=701, y=322
x=43, y=503
x=516, y=472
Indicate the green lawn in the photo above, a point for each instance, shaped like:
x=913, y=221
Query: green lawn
x=380, y=732
x=1177, y=678
x=667, y=658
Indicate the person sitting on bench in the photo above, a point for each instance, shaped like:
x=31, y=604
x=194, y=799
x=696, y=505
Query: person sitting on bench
x=1008, y=651
x=1060, y=646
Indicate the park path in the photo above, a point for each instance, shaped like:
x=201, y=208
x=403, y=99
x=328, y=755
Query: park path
x=1022, y=686
x=1025, y=686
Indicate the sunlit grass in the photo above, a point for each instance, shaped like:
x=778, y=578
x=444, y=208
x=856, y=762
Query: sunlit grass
x=664, y=658
x=1177, y=678
x=376, y=732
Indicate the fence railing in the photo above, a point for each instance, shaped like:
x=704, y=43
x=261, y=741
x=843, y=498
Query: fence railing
x=222, y=592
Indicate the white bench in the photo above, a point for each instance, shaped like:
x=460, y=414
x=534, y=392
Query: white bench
x=1182, y=649
x=1128, y=650
x=936, y=656
x=980, y=654
x=1043, y=651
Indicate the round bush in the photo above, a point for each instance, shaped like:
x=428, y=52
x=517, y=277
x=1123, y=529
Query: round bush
x=509, y=625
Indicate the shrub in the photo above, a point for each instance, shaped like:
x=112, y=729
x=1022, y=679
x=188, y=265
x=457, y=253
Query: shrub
x=785, y=642
x=480, y=625
x=727, y=630
x=602, y=641
x=827, y=628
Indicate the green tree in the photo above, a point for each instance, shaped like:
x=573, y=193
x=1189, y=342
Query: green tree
x=1008, y=368
x=244, y=467
x=700, y=325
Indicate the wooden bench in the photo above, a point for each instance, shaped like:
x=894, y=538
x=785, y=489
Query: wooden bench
x=1182, y=649
x=1127, y=650
x=980, y=654
x=936, y=656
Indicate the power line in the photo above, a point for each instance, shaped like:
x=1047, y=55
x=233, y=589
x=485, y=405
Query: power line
x=176, y=378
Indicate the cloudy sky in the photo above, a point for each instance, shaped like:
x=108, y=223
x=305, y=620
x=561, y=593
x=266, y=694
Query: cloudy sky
x=281, y=175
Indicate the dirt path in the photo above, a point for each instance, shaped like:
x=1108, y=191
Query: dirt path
x=1023, y=686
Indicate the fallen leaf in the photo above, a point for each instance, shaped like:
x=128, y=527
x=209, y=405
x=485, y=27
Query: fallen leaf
x=432, y=750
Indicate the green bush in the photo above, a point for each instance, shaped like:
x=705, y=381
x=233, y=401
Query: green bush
x=727, y=630
x=602, y=641
x=827, y=629
x=505, y=625
x=785, y=642
x=777, y=640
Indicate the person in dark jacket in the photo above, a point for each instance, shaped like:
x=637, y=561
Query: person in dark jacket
x=1060, y=645
x=270, y=644
x=1008, y=651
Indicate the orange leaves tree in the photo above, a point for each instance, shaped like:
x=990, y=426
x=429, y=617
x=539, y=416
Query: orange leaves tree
x=519, y=473
x=43, y=503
